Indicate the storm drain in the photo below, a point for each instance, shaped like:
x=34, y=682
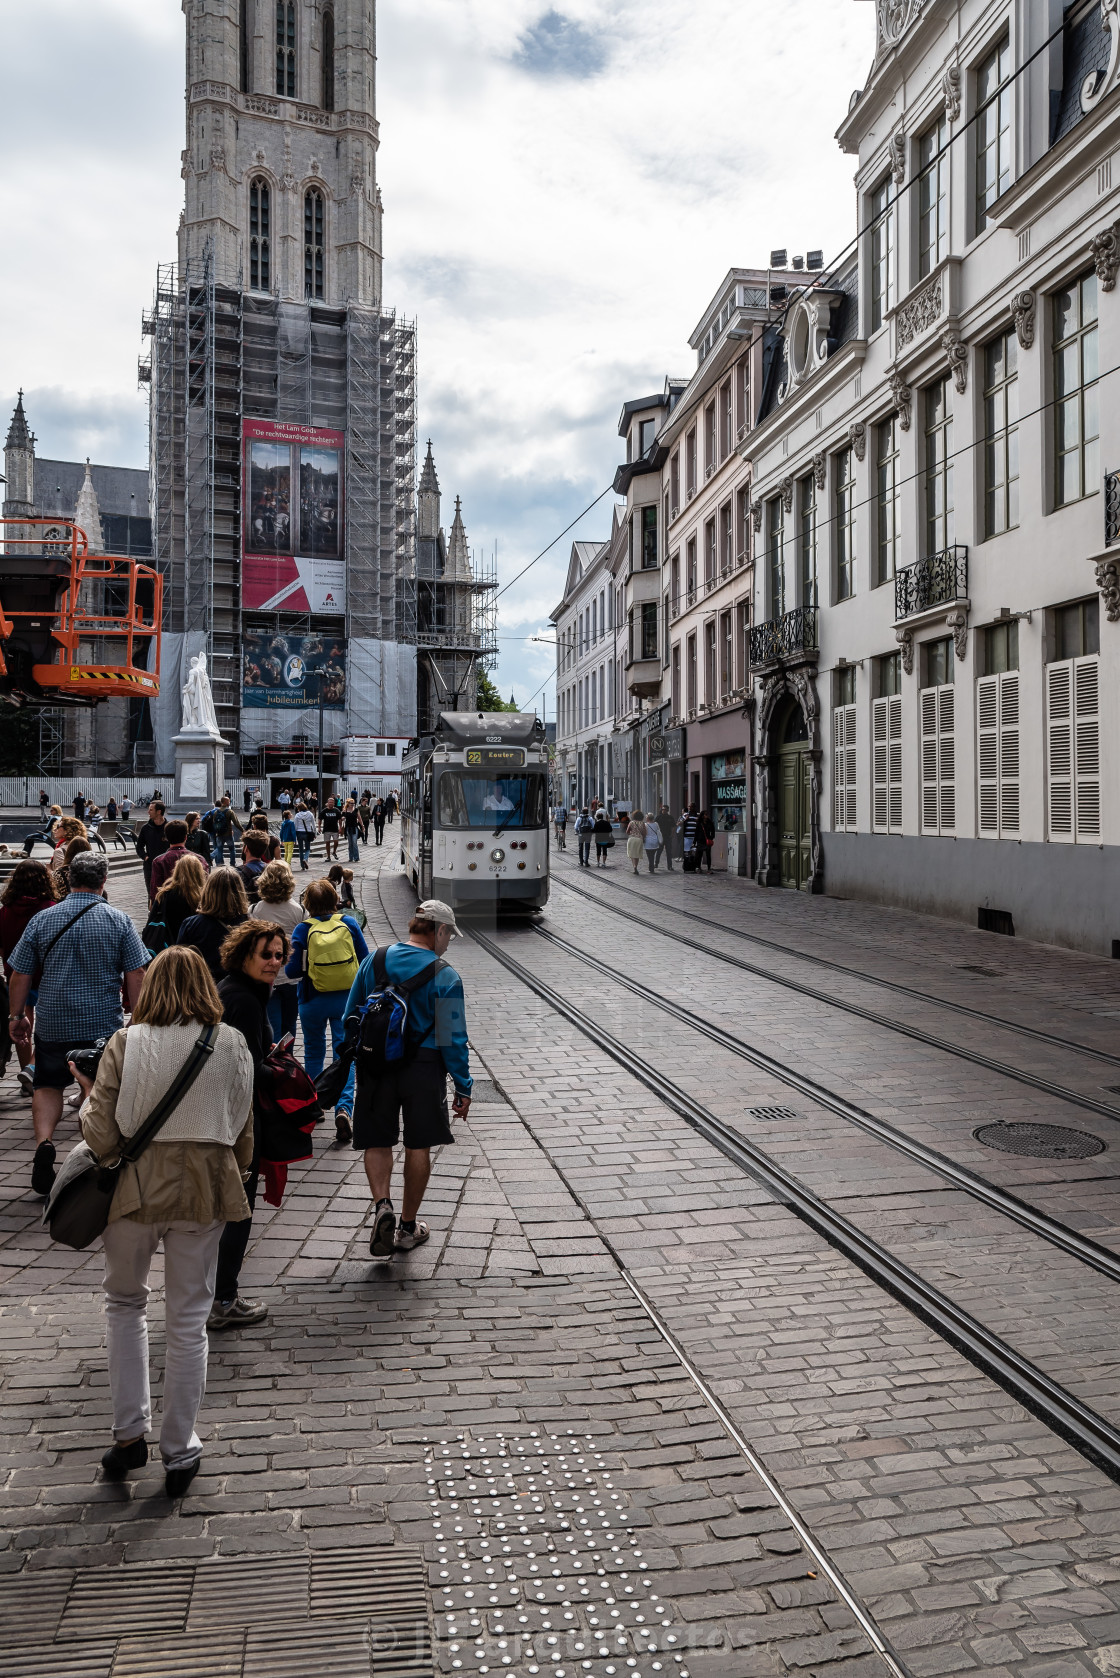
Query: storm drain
x=360, y=1613
x=537, y=1568
x=984, y=972
x=768, y=1113
x=1039, y=1141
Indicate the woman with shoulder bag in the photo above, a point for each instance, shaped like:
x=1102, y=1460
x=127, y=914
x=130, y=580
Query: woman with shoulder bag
x=327, y=950
x=604, y=836
x=181, y=1191
x=635, y=838
x=222, y=906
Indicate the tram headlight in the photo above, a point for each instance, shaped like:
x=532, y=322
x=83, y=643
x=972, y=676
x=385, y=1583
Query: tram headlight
x=497, y=854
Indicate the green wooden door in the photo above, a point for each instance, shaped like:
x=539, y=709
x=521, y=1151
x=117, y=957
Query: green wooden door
x=794, y=847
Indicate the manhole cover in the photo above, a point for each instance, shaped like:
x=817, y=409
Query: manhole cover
x=1039, y=1141
x=768, y=1113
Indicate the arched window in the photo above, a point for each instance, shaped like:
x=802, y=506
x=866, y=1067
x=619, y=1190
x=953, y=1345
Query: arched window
x=286, y=48
x=313, y=243
x=260, y=236
x=328, y=60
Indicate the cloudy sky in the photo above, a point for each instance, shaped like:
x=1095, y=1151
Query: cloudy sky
x=565, y=187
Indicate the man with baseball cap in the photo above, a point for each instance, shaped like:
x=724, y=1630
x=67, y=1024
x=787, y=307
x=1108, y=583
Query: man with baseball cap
x=436, y=1046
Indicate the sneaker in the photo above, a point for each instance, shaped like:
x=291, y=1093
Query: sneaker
x=384, y=1223
x=414, y=1237
x=75, y=1100
x=118, y=1459
x=237, y=1313
x=42, y=1169
x=343, y=1129
x=25, y=1078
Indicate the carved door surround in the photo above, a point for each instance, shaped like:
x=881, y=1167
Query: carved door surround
x=797, y=682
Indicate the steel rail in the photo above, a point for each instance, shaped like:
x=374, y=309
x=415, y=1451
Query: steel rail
x=999, y=1200
x=915, y=1033
x=1090, y=1434
x=848, y=972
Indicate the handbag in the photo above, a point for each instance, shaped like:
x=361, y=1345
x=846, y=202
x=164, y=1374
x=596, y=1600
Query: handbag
x=77, y=1209
x=154, y=935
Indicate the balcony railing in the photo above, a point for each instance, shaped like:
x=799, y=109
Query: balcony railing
x=786, y=637
x=933, y=581
x=1111, y=508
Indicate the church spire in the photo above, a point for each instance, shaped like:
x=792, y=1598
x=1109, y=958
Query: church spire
x=427, y=526
x=19, y=466
x=19, y=436
x=458, y=568
x=87, y=515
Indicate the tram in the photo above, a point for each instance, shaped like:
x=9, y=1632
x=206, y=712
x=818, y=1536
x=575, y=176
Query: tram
x=474, y=811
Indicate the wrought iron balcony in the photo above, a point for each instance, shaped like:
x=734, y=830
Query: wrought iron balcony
x=1111, y=508
x=933, y=581
x=789, y=637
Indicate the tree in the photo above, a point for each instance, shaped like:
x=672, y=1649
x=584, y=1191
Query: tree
x=489, y=699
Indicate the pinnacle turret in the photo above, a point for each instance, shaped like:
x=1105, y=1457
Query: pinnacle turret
x=458, y=568
x=19, y=434
x=87, y=515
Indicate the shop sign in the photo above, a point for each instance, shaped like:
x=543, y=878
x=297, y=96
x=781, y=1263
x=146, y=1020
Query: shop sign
x=666, y=746
x=729, y=792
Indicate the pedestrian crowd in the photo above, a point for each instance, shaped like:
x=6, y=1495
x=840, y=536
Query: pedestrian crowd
x=654, y=836
x=190, y=1102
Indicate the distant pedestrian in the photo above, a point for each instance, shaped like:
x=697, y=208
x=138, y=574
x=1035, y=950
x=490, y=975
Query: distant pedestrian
x=652, y=844
x=276, y=902
x=85, y=953
x=665, y=828
x=378, y=815
x=112, y=810
x=222, y=906
x=252, y=955
x=80, y=806
x=44, y=802
x=288, y=837
x=560, y=817
x=126, y=808
x=223, y=824
x=254, y=852
x=351, y=823
x=691, y=834
x=329, y=824
x=584, y=832
x=196, y=840
x=152, y=841
x=284, y=800
x=635, y=838
x=183, y=1191
x=364, y=817
x=326, y=950
x=391, y=807
x=304, y=823
x=604, y=836
x=708, y=838
x=437, y=1047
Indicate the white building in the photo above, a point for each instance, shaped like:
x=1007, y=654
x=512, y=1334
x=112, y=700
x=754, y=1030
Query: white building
x=936, y=673
x=585, y=675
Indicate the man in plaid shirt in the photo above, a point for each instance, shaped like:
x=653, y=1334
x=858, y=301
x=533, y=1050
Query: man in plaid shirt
x=81, y=974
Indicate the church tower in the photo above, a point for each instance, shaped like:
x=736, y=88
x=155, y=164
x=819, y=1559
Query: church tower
x=455, y=618
x=19, y=466
x=282, y=433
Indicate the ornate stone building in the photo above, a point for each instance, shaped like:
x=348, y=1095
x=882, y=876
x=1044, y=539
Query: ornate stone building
x=282, y=391
x=455, y=629
x=935, y=654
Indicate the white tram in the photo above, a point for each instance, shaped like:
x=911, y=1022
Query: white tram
x=474, y=811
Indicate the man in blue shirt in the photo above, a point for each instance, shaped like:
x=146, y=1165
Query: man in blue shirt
x=82, y=949
x=437, y=1037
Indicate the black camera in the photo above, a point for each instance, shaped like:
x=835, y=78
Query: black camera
x=88, y=1060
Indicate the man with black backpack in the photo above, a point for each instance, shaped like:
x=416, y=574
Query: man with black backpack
x=221, y=824
x=406, y=1019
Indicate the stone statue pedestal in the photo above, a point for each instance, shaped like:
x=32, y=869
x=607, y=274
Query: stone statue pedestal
x=200, y=770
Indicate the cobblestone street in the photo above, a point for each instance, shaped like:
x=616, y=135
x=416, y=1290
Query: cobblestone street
x=534, y=1406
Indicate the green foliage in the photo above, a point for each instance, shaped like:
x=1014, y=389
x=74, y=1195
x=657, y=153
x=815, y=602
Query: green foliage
x=489, y=699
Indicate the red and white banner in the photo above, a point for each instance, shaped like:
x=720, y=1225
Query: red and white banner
x=292, y=556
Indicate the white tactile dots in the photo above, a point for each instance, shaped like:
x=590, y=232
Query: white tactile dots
x=536, y=1566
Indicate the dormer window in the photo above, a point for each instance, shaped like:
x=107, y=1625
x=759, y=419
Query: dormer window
x=647, y=430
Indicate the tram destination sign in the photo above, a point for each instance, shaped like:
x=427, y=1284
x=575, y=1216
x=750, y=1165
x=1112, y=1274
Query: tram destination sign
x=495, y=757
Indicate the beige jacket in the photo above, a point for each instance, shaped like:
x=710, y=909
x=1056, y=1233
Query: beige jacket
x=172, y=1181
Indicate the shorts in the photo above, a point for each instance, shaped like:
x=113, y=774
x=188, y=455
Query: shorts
x=51, y=1069
x=420, y=1091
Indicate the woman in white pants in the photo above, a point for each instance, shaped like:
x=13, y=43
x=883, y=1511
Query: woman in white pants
x=183, y=1189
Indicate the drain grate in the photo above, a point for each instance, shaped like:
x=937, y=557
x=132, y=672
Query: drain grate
x=768, y=1113
x=1039, y=1141
x=984, y=972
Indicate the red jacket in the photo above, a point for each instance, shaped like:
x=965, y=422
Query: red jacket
x=13, y=921
x=164, y=866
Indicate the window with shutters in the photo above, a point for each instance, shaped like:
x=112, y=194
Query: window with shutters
x=886, y=747
x=844, y=752
x=938, y=743
x=997, y=754
x=1073, y=751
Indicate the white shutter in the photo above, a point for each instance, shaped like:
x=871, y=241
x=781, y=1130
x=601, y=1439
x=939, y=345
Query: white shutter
x=844, y=768
x=987, y=754
x=939, y=813
x=879, y=764
x=1087, y=748
x=1009, y=753
x=947, y=758
x=1059, y=751
x=894, y=763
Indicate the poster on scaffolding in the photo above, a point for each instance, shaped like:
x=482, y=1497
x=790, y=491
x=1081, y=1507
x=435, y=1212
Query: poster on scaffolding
x=291, y=493
x=283, y=672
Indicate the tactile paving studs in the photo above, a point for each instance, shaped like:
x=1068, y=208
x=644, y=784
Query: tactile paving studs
x=537, y=1569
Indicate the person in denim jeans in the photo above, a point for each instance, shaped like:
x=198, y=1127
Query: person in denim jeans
x=223, y=826
x=320, y=1008
x=305, y=832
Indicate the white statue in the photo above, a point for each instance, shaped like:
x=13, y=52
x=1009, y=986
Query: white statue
x=199, y=716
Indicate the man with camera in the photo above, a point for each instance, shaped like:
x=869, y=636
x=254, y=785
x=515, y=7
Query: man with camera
x=77, y=954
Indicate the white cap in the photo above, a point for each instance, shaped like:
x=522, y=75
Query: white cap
x=442, y=913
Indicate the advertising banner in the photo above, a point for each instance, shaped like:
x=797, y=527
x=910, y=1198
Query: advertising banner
x=291, y=492
x=282, y=672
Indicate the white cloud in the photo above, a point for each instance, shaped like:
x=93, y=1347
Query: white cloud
x=565, y=186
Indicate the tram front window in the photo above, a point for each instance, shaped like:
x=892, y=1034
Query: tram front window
x=465, y=799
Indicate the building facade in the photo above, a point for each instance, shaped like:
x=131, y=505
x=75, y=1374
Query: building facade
x=283, y=393
x=935, y=659
x=585, y=676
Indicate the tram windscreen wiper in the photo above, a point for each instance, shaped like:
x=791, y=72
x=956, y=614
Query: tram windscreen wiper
x=501, y=827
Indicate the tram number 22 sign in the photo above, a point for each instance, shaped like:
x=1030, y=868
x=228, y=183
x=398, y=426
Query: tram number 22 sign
x=495, y=757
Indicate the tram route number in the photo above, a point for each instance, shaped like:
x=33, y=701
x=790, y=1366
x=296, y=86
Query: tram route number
x=495, y=757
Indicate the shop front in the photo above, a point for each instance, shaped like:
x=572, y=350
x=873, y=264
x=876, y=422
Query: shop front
x=719, y=781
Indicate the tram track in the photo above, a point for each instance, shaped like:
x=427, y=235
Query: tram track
x=1060, y=1092
x=859, y=973
x=1000, y=1200
x=1066, y=1415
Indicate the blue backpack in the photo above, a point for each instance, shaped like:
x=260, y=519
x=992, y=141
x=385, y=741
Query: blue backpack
x=383, y=1040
